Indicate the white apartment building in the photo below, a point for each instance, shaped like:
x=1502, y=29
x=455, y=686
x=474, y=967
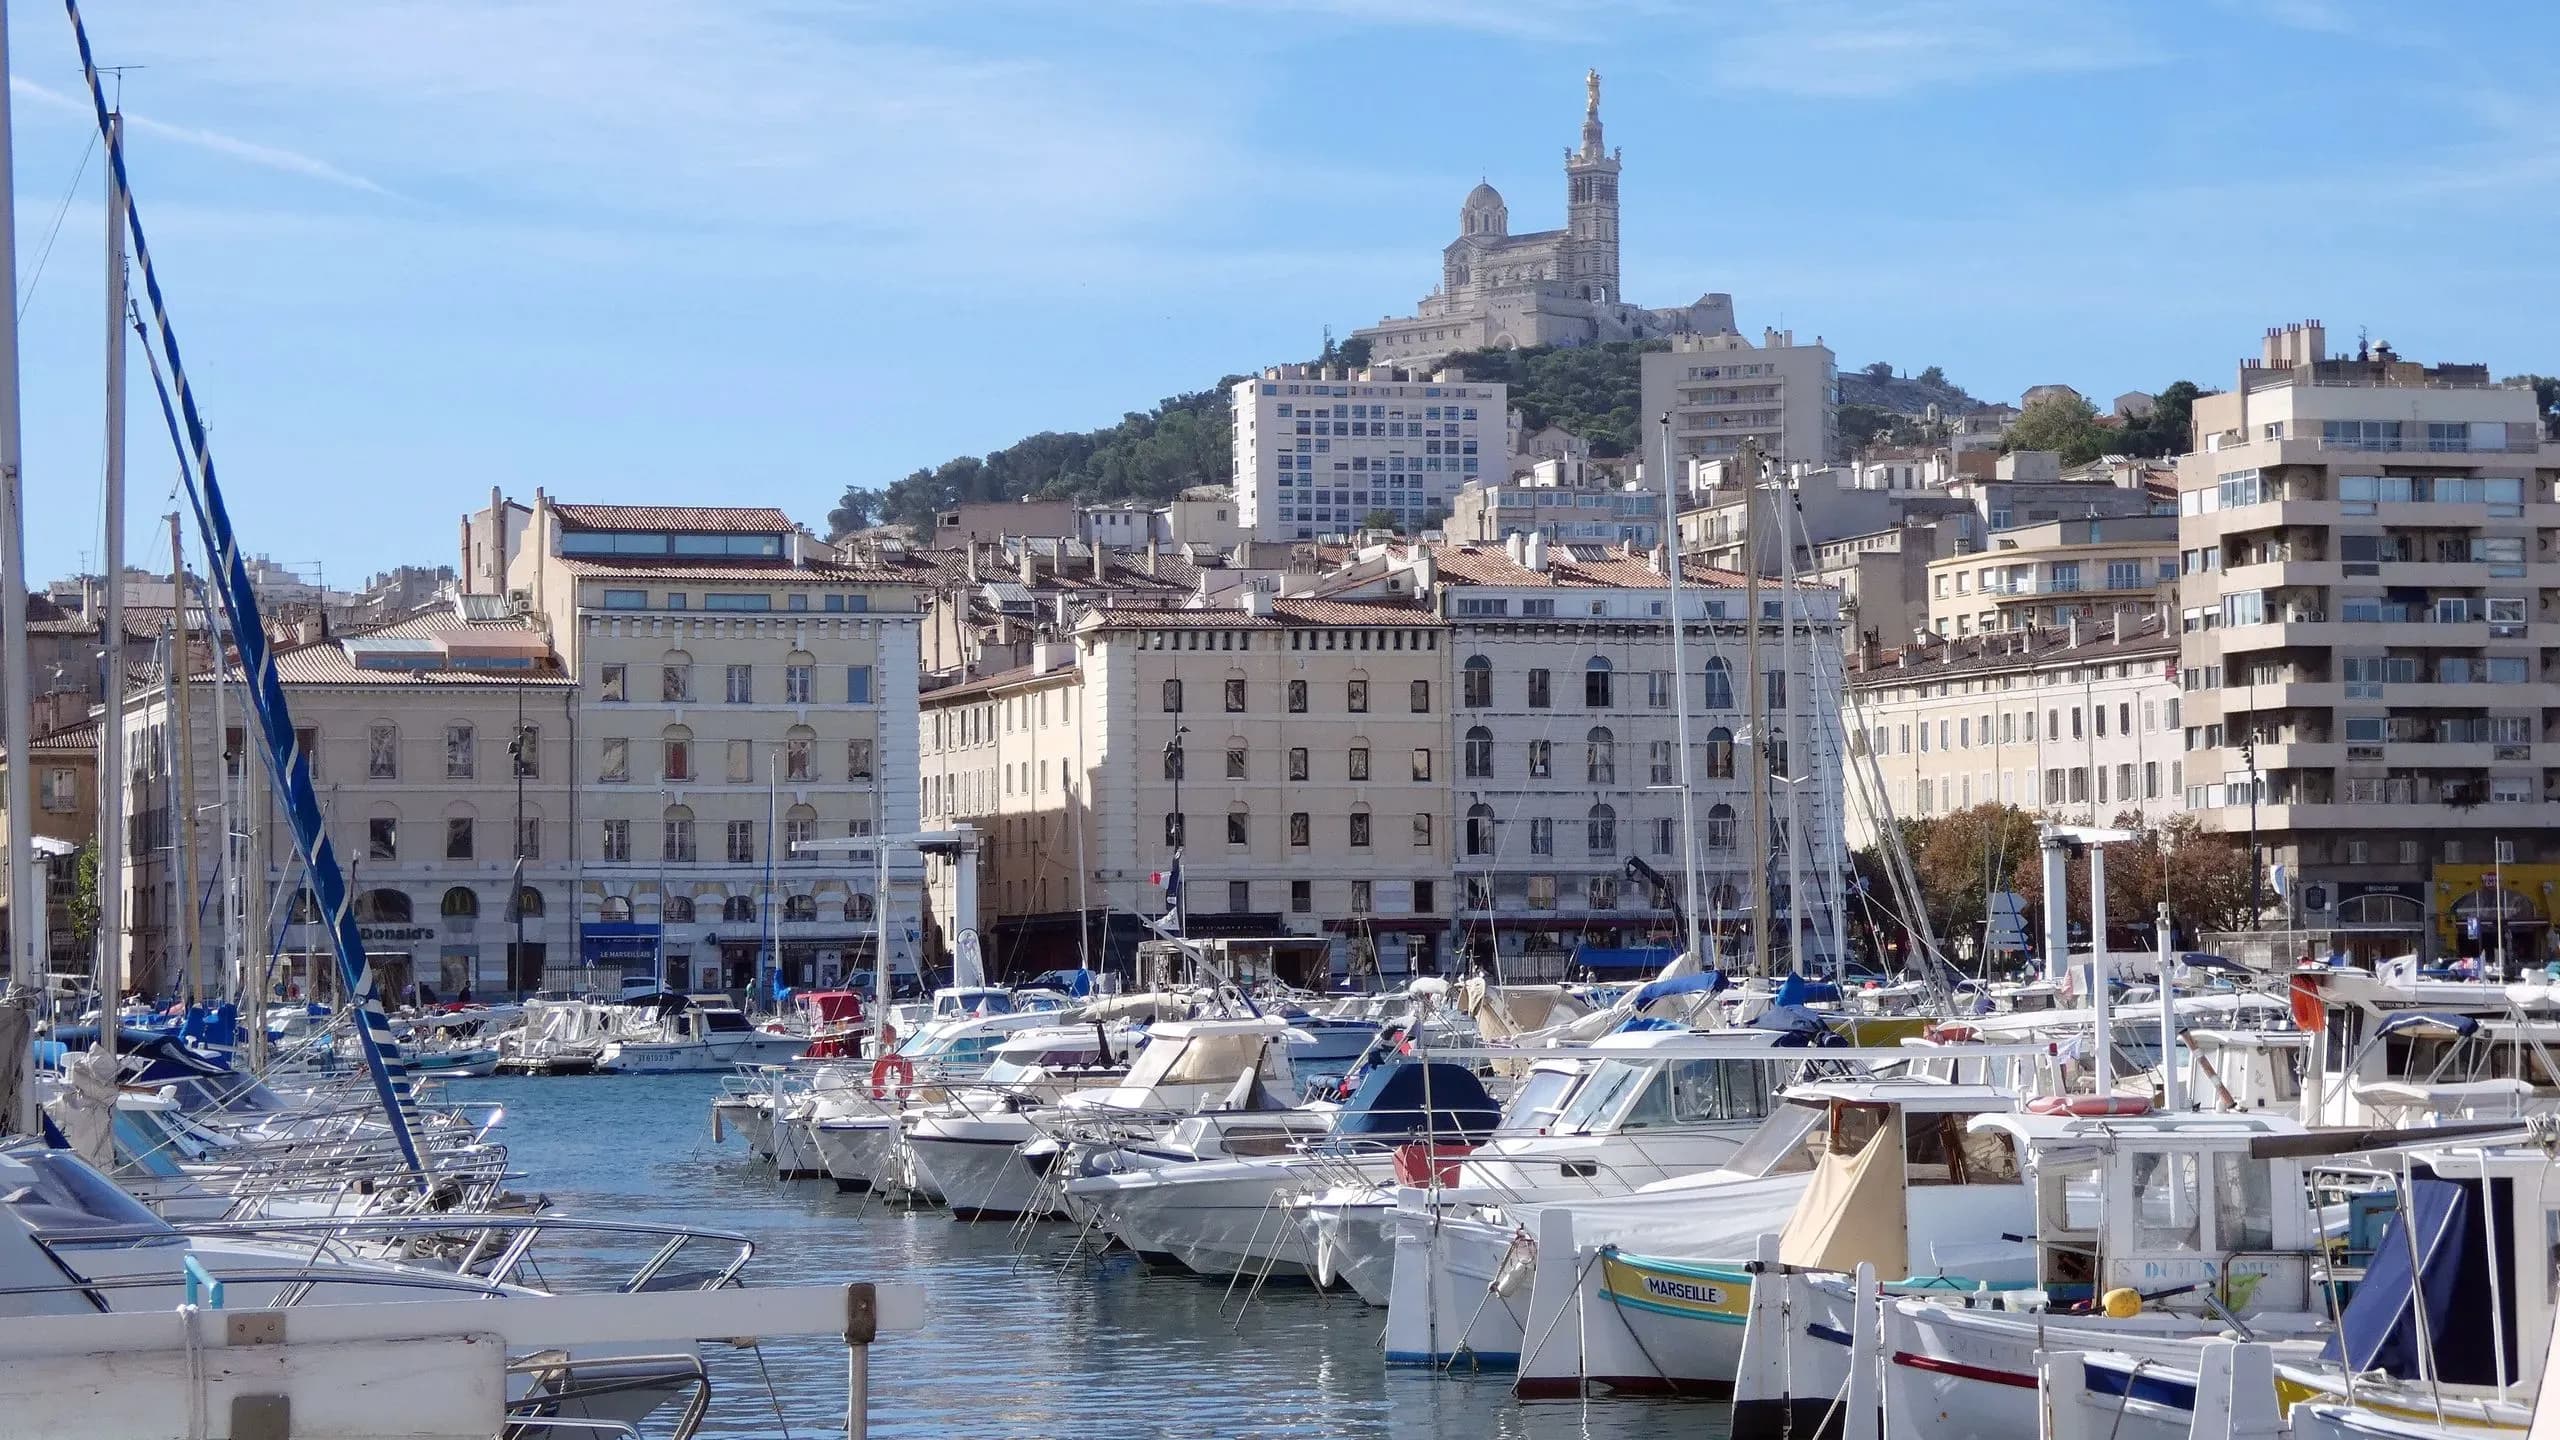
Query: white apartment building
x=1568, y=758
x=2081, y=724
x=1310, y=795
x=1583, y=514
x=2055, y=574
x=1719, y=389
x=429, y=800
x=742, y=690
x=1316, y=451
x=2369, y=650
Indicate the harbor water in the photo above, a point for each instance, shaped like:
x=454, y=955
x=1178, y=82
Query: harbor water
x=1025, y=1336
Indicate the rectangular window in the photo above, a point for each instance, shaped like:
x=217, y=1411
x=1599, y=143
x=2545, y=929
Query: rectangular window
x=742, y=842
x=1358, y=765
x=529, y=838
x=457, y=838
x=382, y=839
x=1663, y=765
x=1422, y=832
x=1301, y=897
x=461, y=756
x=524, y=752
x=675, y=684
x=1421, y=765
x=1425, y=897
x=1539, y=697
x=617, y=840
x=796, y=685
x=1542, y=835
x=741, y=767
x=1360, y=829
x=1541, y=760
x=616, y=765
x=1239, y=828
x=1297, y=697
x=615, y=683
x=1239, y=896
x=796, y=833
x=731, y=600
x=382, y=752
x=1478, y=691
x=1300, y=830
x=1235, y=760
x=1595, y=689
x=1235, y=697
x=1298, y=762
x=1657, y=689
x=626, y=599
x=1358, y=697
x=675, y=841
x=1542, y=892
x=742, y=685
x=1361, y=891
x=795, y=759
x=857, y=684
x=679, y=760
x=857, y=759
x=1421, y=699
x=1777, y=689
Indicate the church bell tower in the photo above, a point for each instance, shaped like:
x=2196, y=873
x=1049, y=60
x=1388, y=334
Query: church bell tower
x=1591, y=207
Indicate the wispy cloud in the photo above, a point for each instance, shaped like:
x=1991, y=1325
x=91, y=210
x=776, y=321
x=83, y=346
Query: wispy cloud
x=1835, y=50
x=251, y=152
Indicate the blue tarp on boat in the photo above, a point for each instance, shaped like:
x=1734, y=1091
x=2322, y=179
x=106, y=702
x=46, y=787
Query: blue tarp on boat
x=1634, y=960
x=1419, y=1096
x=2432, y=1254
x=1708, y=980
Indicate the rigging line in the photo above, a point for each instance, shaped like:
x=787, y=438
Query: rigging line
x=27, y=295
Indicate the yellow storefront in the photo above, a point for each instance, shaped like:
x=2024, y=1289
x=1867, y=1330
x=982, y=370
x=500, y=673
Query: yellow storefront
x=2521, y=895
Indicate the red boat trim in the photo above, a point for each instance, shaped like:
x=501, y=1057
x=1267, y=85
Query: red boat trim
x=1962, y=1371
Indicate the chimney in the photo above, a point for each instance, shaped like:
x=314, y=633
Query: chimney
x=1030, y=572
x=1151, y=555
x=498, y=540
x=1515, y=547
x=1536, y=551
x=1254, y=600
x=973, y=561
x=2073, y=626
x=1100, y=564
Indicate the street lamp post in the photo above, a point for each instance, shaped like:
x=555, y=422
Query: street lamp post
x=1181, y=834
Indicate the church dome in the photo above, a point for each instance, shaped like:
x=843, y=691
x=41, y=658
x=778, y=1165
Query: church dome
x=1484, y=213
x=1484, y=197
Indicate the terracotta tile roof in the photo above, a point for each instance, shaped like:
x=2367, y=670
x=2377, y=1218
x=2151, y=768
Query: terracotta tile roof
x=1492, y=565
x=80, y=737
x=1285, y=614
x=733, y=519
x=998, y=680
x=2144, y=640
x=751, y=571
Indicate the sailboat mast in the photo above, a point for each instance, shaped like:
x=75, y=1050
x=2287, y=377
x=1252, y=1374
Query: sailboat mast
x=26, y=894
x=111, y=776
x=880, y=893
x=1797, y=704
x=1755, y=689
x=182, y=755
x=1690, y=895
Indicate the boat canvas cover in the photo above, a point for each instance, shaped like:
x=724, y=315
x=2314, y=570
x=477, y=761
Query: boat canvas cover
x=2379, y=1328
x=1852, y=1211
x=1707, y=980
x=1432, y=1096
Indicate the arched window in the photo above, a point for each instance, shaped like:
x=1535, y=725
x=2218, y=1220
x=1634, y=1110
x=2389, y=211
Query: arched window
x=1476, y=680
x=528, y=903
x=1173, y=697
x=460, y=904
x=1602, y=827
x=738, y=910
x=1595, y=683
x=2376, y=908
x=857, y=906
x=1719, y=684
x=1479, y=753
x=382, y=907
x=615, y=911
x=676, y=910
x=1479, y=829
x=1719, y=754
x=800, y=908
x=1720, y=828
x=1600, y=757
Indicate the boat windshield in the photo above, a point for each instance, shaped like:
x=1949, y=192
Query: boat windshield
x=57, y=1194
x=229, y=1094
x=1538, y=1099
x=142, y=1144
x=1787, y=1143
x=1609, y=1090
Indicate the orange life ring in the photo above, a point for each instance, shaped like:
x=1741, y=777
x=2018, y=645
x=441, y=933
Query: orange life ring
x=2089, y=1105
x=2309, y=1015
x=886, y=1066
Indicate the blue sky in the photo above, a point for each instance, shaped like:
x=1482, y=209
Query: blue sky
x=754, y=250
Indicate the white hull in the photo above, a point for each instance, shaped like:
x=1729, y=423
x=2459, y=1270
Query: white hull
x=1442, y=1308
x=1351, y=1242
x=1218, y=1219
x=976, y=1166
x=856, y=1150
x=699, y=1057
